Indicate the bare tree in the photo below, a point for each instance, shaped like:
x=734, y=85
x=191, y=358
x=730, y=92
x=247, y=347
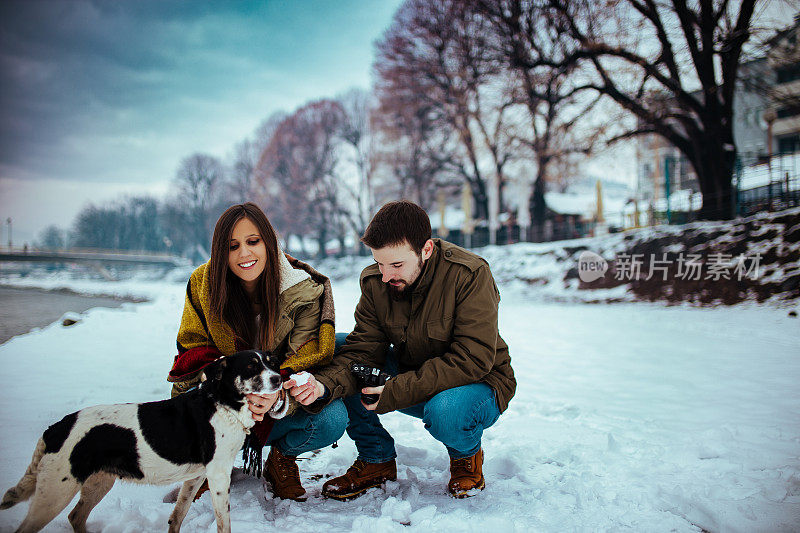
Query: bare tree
x=672, y=64
x=266, y=129
x=356, y=133
x=415, y=152
x=129, y=224
x=245, y=158
x=435, y=59
x=295, y=176
x=415, y=140
x=197, y=185
x=175, y=220
x=525, y=41
x=52, y=238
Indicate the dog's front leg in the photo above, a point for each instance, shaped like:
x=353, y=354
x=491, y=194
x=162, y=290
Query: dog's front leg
x=185, y=497
x=219, y=484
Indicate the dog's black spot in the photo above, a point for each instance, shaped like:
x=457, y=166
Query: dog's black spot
x=63, y=480
x=106, y=448
x=179, y=429
x=55, y=435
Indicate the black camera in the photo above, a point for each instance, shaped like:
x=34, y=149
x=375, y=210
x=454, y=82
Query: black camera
x=369, y=376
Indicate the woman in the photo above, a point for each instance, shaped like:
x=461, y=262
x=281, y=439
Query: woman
x=251, y=295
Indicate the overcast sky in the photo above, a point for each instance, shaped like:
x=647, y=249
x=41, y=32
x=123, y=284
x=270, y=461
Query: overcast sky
x=104, y=98
x=100, y=99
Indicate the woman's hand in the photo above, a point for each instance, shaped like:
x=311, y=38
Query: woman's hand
x=259, y=404
x=307, y=393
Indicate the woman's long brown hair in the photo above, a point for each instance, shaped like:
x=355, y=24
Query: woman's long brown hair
x=229, y=300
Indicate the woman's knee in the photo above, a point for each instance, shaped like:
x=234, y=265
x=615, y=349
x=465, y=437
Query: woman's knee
x=331, y=422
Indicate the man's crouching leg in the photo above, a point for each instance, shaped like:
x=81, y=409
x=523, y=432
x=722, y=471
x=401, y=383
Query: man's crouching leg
x=456, y=418
x=375, y=463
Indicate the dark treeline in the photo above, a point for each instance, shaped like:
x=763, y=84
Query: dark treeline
x=470, y=98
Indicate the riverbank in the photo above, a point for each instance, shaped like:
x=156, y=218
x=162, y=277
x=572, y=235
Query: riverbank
x=24, y=309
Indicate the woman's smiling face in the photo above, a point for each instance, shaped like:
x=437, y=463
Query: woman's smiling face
x=248, y=253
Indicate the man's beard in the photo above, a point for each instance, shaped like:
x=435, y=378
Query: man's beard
x=403, y=292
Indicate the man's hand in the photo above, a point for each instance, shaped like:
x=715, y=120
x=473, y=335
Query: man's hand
x=307, y=393
x=372, y=390
x=260, y=404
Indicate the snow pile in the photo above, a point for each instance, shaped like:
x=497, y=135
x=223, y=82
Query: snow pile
x=632, y=416
x=751, y=259
x=725, y=254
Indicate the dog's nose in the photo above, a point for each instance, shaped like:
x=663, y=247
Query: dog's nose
x=275, y=381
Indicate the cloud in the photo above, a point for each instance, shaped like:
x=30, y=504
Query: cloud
x=101, y=67
x=101, y=92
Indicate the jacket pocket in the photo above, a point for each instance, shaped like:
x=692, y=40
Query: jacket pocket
x=440, y=329
x=283, y=328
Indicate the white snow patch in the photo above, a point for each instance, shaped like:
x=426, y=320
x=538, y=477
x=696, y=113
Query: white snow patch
x=628, y=416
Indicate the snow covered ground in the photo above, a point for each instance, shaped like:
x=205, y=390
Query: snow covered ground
x=630, y=416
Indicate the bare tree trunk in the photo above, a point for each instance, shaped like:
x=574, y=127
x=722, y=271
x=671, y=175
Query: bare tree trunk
x=714, y=169
x=537, y=205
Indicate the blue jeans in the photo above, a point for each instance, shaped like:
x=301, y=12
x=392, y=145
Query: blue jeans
x=455, y=417
x=302, y=432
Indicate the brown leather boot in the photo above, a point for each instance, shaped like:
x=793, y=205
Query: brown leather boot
x=282, y=472
x=466, y=476
x=358, y=478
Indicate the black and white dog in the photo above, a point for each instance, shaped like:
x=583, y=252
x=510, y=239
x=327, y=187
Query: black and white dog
x=188, y=438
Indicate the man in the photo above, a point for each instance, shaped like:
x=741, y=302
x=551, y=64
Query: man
x=436, y=305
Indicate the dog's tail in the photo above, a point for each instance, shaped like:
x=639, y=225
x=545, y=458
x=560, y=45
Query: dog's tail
x=27, y=484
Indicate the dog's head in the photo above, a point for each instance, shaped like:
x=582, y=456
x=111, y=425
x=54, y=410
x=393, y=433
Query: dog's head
x=232, y=378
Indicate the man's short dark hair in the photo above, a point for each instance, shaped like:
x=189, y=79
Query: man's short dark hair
x=398, y=222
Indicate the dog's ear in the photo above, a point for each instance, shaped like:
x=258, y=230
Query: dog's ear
x=270, y=360
x=214, y=370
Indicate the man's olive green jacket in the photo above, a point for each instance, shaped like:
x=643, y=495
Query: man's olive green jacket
x=444, y=336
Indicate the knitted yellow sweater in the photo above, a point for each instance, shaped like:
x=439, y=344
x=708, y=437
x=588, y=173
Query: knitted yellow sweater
x=304, y=332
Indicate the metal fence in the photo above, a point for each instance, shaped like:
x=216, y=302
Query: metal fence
x=767, y=184
x=553, y=230
x=759, y=184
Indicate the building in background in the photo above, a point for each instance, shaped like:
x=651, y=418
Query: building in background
x=782, y=114
x=766, y=130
